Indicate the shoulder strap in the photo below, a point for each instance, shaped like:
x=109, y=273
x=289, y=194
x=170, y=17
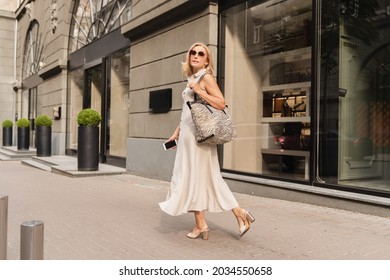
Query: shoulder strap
x=201, y=77
x=196, y=96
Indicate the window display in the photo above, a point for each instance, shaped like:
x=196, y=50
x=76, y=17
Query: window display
x=331, y=125
x=272, y=58
x=357, y=113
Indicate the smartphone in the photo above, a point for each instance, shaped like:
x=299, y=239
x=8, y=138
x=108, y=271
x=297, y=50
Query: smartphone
x=170, y=144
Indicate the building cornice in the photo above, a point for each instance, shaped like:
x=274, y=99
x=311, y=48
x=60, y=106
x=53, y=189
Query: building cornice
x=7, y=14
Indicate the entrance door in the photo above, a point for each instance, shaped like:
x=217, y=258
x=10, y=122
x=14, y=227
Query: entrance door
x=106, y=91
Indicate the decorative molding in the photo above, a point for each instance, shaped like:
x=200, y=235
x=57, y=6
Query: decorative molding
x=54, y=16
x=7, y=14
x=53, y=69
x=28, y=9
x=21, y=11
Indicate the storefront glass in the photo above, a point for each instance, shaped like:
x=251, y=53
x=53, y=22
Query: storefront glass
x=266, y=74
x=330, y=126
x=354, y=91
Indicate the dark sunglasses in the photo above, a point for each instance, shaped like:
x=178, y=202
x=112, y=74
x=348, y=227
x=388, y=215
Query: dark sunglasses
x=193, y=52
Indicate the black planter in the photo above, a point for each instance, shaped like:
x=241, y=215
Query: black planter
x=23, y=138
x=7, y=136
x=88, y=148
x=43, y=141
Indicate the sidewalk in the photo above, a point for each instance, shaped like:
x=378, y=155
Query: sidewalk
x=117, y=217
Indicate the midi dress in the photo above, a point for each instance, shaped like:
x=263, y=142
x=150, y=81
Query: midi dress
x=197, y=182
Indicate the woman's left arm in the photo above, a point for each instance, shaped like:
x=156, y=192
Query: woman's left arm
x=209, y=90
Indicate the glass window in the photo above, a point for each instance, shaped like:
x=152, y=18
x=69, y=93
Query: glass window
x=118, y=122
x=93, y=19
x=355, y=94
x=33, y=51
x=32, y=105
x=76, y=89
x=266, y=74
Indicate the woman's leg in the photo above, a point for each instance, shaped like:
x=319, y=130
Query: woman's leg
x=200, y=220
x=244, y=219
x=201, y=228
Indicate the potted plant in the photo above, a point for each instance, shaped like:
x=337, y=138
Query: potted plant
x=88, y=140
x=43, y=135
x=7, y=133
x=23, y=125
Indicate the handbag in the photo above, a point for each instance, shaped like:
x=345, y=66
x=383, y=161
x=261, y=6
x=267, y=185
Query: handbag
x=212, y=126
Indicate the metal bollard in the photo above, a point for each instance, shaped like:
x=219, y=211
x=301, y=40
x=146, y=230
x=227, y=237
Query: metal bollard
x=3, y=226
x=31, y=240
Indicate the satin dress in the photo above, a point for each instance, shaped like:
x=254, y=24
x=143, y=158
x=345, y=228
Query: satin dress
x=196, y=183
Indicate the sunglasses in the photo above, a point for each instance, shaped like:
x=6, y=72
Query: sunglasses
x=193, y=52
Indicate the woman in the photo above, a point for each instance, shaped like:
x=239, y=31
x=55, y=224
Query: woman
x=197, y=184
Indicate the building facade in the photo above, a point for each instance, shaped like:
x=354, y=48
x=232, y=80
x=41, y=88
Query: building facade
x=7, y=57
x=306, y=83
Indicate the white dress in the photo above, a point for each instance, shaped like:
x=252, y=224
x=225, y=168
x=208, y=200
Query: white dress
x=197, y=183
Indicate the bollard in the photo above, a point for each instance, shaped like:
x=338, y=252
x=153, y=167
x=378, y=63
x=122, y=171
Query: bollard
x=31, y=240
x=3, y=226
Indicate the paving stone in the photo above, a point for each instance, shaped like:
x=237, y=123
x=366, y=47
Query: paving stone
x=117, y=217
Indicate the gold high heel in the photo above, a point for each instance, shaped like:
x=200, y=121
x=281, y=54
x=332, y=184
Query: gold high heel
x=247, y=218
x=197, y=231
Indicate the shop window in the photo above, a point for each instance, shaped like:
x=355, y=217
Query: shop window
x=266, y=54
x=355, y=95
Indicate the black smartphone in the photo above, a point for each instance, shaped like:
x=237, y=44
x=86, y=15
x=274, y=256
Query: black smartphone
x=170, y=144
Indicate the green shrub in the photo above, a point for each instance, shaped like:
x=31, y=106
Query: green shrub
x=23, y=122
x=8, y=123
x=88, y=117
x=43, y=120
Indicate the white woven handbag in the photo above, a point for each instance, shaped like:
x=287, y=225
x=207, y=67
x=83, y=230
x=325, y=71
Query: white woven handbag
x=212, y=126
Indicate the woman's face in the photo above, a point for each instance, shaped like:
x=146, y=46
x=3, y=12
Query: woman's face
x=198, y=58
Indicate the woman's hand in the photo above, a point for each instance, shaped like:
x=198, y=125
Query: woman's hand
x=196, y=87
x=175, y=135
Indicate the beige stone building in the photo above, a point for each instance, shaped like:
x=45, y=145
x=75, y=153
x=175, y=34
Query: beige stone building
x=7, y=58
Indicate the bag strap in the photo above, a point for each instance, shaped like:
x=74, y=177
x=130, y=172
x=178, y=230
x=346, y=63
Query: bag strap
x=201, y=100
x=196, y=96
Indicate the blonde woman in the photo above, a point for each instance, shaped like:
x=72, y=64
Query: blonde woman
x=197, y=184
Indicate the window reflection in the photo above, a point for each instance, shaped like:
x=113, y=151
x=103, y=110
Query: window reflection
x=355, y=97
x=267, y=67
x=76, y=89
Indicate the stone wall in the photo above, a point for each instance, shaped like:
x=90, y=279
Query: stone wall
x=7, y=51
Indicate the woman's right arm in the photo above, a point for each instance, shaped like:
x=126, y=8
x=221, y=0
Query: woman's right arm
x=175, y=135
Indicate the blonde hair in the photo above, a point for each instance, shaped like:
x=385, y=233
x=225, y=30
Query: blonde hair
x=186, y=66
